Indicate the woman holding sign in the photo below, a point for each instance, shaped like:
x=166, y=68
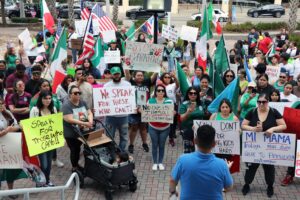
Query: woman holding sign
x=267, y=120
x=159, y=131
x=45, y=106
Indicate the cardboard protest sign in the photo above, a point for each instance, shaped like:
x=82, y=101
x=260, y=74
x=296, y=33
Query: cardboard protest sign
x=297, y=165
x=112, y=57
x=44, y=133
x=169, y=33
x=108, y=36
x=273, y=73
x=189, y=33
x=80, y=26
x=291, y=117
x=112, y=101
x=278, y=149
x=11, y=151
x=280, y=106
x=227, y=135
x=25, y=38
x=158, y=113
x=143, y=56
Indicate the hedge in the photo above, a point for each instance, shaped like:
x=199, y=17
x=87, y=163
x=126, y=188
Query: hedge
x=296, y=38
x=24, y=20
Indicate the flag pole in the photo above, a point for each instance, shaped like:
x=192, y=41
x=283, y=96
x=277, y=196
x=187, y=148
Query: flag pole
x=136, y=30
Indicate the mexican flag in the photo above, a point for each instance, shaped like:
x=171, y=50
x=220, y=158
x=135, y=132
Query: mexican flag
x=221, y=58
x=182, y=79
x=205, y=35
x=214, y=19
x=130, y=32
x=270, y=53
x=48, y=20
x=59, y=53
x=98, y=57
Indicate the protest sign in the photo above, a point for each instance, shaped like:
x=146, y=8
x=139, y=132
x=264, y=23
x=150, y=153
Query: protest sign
x=71, y=71
x=278, y=149
x=227, y=135
x=169, y=33
x=297, y=165
x=291, y=117
x=112, y=57
x=189, y=33
x=11, y=151
x=273, y=73
x=108, y=36
x=158, y=113
x=143, y=56
x=112, y=101
x=80, y=26
x=280, y=106
x=44, y=133
x=25, y=38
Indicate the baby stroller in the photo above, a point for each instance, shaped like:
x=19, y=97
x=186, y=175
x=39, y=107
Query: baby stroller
x=100, y=151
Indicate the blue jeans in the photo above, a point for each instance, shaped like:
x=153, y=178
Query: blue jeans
x=171, y=63
x=120, y=124
x=46, y=161
x=158, y=140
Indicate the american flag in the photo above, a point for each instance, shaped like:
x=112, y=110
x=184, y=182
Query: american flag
x=85, y=12
x=148, y=26
x=88, y=44
x=105, y=23
x=58, y=30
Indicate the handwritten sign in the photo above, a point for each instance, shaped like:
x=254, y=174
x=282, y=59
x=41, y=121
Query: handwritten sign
x=11, y=151
x=278, y=149
x=189, y=33
x=112, y=57
x=169, y=33
x=227, y=135
x=297, y=165
x=44, y=133
x=280, y=106
x=273, y=73
x=143, y=56
x=158, y=113
x=112, y=101
x=24, y=37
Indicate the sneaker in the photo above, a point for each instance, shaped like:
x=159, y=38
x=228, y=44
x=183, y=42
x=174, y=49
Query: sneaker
x=287, y=180
x=246, y=189
x=171, y=141
x=50, y=184
x=130, y=148
x=161, y=167
x=146, y=147
x=58, y=163
x=270, y=191
x=154, y=167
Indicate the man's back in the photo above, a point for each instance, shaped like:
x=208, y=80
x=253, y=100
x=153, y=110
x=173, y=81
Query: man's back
x=201, y=176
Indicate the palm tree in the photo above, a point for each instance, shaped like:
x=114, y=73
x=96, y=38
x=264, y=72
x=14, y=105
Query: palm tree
x=229, y=12
x=115, y=11
x=292, y=24
x=71, y=12
x=3, y=12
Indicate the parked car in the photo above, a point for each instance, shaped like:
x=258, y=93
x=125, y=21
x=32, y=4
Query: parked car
x=219, y=14
x=270, y=10
x=29, y=10
x=63, y=11
x=143, y=13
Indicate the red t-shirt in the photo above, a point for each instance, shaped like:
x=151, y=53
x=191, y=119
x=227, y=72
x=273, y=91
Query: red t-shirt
x=264, y=44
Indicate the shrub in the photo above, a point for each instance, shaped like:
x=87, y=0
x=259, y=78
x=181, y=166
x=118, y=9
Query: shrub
x=296, y=38
x=24, y=20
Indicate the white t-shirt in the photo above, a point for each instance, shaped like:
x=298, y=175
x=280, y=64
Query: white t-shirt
x=290, y=98
x=288, y=67
x=296, y=68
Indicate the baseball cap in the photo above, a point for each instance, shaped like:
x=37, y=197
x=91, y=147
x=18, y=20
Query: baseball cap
x=252, y=84
x=115, y=70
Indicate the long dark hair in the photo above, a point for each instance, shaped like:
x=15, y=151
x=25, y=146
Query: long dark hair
x=228, y=104
x=91, y=64
x=186, y=98
x=43, y=81
x=65, y=81
x=15, y=96
x=39, y=103
x=225, y=74
x=275, y=91
x=163, y=75
x=155, y=90
x=6, y=114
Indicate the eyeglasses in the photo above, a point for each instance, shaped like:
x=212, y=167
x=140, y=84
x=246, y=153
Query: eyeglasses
x=231, y=76
x=160, y=90
x=262, y=102
x=282, y=76
x=77, y=93
x=193, y=93
x=36, y=73
x=167, y=77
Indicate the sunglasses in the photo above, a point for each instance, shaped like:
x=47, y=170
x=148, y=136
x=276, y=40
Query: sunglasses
x=160, y=90
x=282, y=76
x=193, y=93
x=262, y=102
x=231, y=76
x=36, y=73
x=167, y=77
x=77, y=93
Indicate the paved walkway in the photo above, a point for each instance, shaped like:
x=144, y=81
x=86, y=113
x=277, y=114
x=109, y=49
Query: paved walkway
x=154, y=185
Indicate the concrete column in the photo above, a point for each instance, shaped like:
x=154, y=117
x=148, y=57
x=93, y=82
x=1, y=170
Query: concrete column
x=278, y=2
x=225, y=5
x=174, y=8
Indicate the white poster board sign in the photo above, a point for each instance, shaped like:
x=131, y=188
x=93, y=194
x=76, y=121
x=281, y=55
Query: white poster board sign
x=11, y=151
x=227, y=135
x=189, y=33
x=158, y=113
x=280, y=106
x=297, y=165
x=112, y=101
x=278, y=149
x=25, y=38
x=273, y=73
x=108, y=36
x=169, y=33
x=112, y=57
x=80, y=26
x=143, y=56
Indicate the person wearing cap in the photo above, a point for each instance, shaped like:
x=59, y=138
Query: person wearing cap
x=19, y=74
x=265, y=44
x=283, y=79
x=113, y=46
x=248, y=100
x=119, y=122
x=32, y=85
x=284, y=58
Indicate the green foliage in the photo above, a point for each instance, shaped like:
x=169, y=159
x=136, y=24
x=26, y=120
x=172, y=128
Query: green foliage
x=24, y=20
x=197, y=23
x=296, y=38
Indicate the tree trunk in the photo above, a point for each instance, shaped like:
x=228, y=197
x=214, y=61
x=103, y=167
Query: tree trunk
x=3, y=12
x=116, y=11
x=229, y=12
x=52, y=9
x=71, y=12
x=22, y=11
x=292, y=24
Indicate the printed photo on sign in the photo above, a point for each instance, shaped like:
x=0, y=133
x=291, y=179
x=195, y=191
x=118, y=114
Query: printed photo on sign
x=277, y=149
x=141, y=97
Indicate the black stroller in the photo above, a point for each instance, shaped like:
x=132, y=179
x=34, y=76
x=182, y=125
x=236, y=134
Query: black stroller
x=100, y=152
